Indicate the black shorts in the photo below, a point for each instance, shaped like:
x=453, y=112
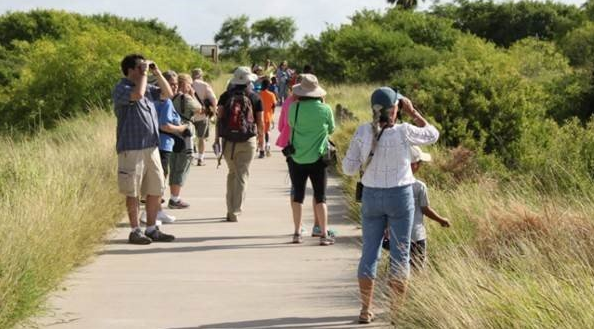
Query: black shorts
x=316, y=172
x=165, y=155
x=418, y=254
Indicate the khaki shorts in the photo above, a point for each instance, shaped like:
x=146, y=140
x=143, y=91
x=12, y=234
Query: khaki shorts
x=202, y=128
x=140, y=173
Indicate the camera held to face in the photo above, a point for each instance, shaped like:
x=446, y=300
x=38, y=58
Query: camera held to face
x=188, y=137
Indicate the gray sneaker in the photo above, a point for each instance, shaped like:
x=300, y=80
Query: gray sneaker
x=178, y=204
x=159, y=236
x=137, y=237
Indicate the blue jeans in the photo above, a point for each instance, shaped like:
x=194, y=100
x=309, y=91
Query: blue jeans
x=383, y=207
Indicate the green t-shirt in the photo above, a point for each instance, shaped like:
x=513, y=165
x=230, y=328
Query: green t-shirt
x=315, y=123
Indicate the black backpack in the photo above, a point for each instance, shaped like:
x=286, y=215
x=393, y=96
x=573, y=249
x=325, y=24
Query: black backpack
x=237, y=122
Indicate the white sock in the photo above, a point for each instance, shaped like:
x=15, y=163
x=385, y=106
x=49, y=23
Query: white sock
x=150, y=229
x=201, y=156
x=175, y=198
x=134, y=229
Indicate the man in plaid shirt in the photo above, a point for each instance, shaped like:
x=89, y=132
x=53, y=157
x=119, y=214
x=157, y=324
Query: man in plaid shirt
x=137, y=140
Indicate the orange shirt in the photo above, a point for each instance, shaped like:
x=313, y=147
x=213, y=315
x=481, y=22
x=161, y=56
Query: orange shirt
x=268, y=103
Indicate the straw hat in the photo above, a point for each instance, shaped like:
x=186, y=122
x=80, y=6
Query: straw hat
x=309, y=87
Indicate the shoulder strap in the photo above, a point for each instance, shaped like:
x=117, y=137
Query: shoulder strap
x=182, y=105
x=293, y=129
x=371, y=152
x=198, y=99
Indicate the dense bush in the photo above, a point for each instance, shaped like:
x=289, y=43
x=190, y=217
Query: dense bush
x=489, y=99
x=54, y=65
x=507, y=22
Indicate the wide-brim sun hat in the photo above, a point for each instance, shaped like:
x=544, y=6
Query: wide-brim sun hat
x=417, y=154
x=242, y=76
x=384, y=98
x=308, y=87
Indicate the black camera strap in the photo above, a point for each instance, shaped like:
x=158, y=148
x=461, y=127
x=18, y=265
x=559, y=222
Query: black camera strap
x=371, y=152
x=293, y=130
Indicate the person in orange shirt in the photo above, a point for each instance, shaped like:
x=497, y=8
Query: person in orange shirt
x=268, y=104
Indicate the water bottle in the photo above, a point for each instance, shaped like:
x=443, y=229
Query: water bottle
x=216, y=147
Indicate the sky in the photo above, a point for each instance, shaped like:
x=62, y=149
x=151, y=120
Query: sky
x=199, y=20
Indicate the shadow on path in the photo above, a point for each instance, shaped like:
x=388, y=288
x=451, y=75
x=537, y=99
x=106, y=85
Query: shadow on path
x=338, y=322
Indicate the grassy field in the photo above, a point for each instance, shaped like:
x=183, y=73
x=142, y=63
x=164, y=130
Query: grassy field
x=515, y=257
x=58, y=198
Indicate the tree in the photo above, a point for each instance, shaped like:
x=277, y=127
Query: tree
x=272, y=31
x=404, y=4
x=234, y=35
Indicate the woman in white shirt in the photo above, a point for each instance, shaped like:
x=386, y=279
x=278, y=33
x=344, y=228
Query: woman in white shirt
x=381, y=149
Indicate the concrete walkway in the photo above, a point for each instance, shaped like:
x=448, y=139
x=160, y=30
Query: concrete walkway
x=218, y=274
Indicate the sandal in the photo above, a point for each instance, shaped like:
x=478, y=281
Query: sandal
x=366, y=317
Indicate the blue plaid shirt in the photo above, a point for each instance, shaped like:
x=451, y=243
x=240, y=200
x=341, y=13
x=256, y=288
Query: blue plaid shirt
x=138, y=123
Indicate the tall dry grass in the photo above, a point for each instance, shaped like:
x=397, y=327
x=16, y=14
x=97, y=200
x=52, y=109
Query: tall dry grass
x=514, y=258
x=518, y=255
x=58, y=198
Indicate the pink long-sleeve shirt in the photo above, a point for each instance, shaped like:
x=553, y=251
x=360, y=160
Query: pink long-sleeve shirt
x=283, y=123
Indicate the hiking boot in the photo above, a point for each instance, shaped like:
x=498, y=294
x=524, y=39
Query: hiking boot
x=178, y=204
x=165, y=218
x=143, y=218
x=268, y=154
x=326, y=241
x=200, y=162
x=261, y=155
x=158, y=236
x=297, y=238
x=137, y=237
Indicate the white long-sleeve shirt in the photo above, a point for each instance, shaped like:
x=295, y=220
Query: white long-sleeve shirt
x=390, y=165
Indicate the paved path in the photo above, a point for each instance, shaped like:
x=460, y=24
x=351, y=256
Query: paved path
x=218, y=274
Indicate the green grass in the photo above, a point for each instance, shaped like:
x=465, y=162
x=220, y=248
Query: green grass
x=58, y=198
x=519, y=254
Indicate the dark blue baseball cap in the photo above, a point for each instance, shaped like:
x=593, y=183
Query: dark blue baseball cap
x=384, y=98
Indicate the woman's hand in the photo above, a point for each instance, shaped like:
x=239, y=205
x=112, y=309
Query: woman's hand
x=407, y=106
x=409, y=109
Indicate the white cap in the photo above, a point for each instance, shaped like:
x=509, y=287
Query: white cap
x=416, y=155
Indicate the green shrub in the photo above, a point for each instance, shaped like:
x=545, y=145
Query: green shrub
x=59, y=74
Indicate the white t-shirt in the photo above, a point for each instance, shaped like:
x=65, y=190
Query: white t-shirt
x=390, y=165
x=421, y=200
x=204, y=92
